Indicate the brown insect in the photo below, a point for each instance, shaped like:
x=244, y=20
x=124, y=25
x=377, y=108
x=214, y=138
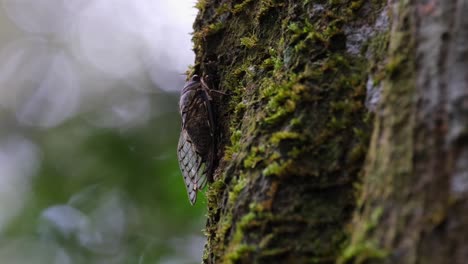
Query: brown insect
x=196, y=148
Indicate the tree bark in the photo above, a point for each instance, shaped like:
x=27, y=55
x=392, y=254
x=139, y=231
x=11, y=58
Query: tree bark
x=303, y=79
x=415, y=189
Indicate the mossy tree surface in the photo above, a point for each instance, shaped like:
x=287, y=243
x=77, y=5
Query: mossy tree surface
x=293, y=129
x=415, y=193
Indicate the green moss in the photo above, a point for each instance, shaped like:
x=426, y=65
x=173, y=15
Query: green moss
x=281, y=99
x=308, y=34
x=271, y=169
x=238, y=253
x=224, y=226
x=237, y=250
x=239, y=108
x=277, y=168
x=201, y=5
x=238, y=187
x=277, y=137
x=255, y=156
x=277, y=114
x=274, y=62
x=247, y=70
x=224, y=8
x=249, y=42
x=244, y=222
x=295, y=122
x=394, y=65
x=235, y=145
x=356, y=5
x=215, y=28
x=240, y=7
x=267, y=64
x=295, y=152
x=265, y=5
x=378, y=46
x=363, y=253
x=362, y=249
x=214, y=189
x=278, y=64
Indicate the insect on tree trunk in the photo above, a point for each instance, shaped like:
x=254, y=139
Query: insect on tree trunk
x=197, y=143
x=298, y=178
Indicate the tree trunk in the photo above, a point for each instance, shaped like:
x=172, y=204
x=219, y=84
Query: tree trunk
x=302, y=80
x=416, y=176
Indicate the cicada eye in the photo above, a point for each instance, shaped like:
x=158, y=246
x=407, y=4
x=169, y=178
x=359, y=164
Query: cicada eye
x=191, y=85
x=195, y=78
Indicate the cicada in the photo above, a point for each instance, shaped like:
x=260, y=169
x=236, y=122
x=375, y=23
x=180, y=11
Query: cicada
x=196, y=148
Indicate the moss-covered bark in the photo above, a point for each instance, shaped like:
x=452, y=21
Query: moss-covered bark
x=293, y=128
x=415, y=187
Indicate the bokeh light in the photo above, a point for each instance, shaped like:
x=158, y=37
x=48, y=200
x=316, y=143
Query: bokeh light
x=88, y=131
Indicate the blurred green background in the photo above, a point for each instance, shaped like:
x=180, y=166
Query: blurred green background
x=89, y=126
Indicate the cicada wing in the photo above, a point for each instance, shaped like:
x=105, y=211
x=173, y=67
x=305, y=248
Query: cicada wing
x=191, y=165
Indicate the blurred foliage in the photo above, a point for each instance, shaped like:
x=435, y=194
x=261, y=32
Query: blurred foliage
x=106, y=195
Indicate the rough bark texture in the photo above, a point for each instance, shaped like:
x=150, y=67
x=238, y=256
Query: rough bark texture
x=294, y=128
x=416, y=181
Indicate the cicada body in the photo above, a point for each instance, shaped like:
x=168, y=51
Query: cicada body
x=196, y=146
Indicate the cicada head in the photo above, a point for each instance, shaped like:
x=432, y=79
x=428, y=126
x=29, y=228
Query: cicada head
x=188, y=93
